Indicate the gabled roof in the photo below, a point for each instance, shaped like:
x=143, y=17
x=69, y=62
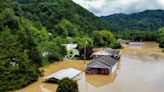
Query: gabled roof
x=106, y=62
x=107, y=52
x=101, y=52
x=70, y=73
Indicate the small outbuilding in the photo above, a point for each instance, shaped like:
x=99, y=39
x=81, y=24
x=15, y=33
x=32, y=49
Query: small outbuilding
x=104, y=65
x=69, y=73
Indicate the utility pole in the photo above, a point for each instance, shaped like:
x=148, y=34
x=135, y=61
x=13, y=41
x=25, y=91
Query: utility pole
x=85, y=51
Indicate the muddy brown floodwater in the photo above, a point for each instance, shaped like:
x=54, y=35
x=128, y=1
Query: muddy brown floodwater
x=141, y=69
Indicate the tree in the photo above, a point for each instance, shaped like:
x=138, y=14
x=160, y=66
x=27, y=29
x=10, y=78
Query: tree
x=83, y=42
x=161, y=37
x=66, y=28
x=17, y=9
x=8, y=19
x=16, y=69
x=67, y=85
x=31, y=38
x=116, y=45
x=103, y=38
x=54, y=52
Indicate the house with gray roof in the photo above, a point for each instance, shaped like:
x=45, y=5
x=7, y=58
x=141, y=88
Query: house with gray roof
x=103, y=65
x=114, y=53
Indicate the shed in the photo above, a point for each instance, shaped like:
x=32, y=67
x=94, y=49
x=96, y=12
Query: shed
x=69, y=73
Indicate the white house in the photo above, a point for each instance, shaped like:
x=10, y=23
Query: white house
x=72, y=48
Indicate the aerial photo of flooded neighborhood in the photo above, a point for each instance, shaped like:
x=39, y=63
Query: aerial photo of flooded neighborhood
x=81, y=45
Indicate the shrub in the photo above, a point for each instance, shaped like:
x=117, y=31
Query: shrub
x=116, y=45
x=67, y=85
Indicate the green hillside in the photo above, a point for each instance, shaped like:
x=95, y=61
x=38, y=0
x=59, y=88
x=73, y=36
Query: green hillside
x=143, y=26
x=32, y=32
x=149, y=20
x=52, y=12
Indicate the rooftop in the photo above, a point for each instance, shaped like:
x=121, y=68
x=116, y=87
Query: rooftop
x=105, y=62
x=107, y=52
x=69, y=73
x=136, y=43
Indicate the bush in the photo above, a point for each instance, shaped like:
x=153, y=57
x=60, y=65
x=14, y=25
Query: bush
x=67, y=85
x=116, y=45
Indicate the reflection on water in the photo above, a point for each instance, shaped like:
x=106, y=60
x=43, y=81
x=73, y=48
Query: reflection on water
x=100, y=80
x=141, y=69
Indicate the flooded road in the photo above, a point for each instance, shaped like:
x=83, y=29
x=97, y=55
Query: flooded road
x=141, y=69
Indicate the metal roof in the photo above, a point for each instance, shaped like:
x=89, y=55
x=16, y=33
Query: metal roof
x=107, y=52
x=103, y=61
x=101, y=52
x=136, y=43
x=69, y=73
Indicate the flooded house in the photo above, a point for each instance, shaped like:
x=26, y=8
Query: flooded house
x=136, y=44
x=121, y=41
x=105, y=65
x=116, y=54
x=71, y=73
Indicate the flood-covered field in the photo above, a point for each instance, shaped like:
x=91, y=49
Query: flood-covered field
x=141, y=69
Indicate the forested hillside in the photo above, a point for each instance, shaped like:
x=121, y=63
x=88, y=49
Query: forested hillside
x=31, y=34
x=138, y=35
x=149, y=20
x=52, y=12
x=143, y=26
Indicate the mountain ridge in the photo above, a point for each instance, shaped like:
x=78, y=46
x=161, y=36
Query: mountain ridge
x=62, y=9
x=148, y=20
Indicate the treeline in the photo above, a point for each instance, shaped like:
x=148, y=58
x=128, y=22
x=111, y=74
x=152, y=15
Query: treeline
x=32, y=32
x=137, y=35
x=24, y=47
x=148, y=20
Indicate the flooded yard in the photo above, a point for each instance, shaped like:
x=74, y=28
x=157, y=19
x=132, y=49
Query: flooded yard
x=141, y=69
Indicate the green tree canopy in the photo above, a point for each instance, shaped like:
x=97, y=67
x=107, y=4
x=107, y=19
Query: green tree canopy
x=67, y=85
x=83, y=42
x=66, y=28
x=161, y=37
x=16, y=69
x=103, y=38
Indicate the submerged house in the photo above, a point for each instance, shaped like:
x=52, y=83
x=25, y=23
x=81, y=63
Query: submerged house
x=104, y=65
x=121, y=41
x=71, y=73
x=136, y=44
x=116, y=54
